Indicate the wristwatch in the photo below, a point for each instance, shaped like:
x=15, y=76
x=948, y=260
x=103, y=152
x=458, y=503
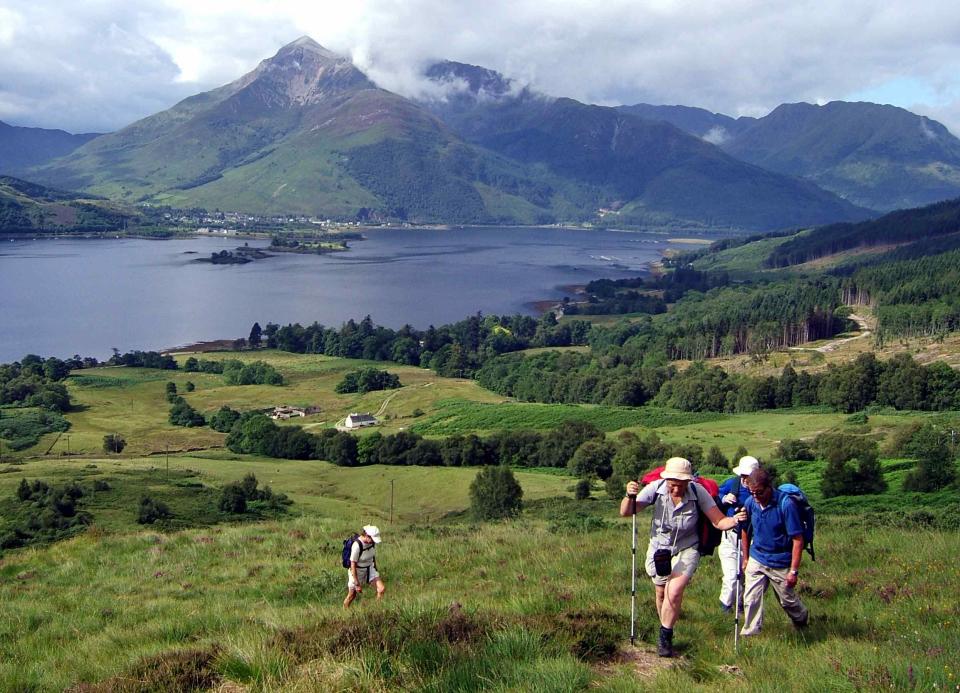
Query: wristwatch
x=794, y=572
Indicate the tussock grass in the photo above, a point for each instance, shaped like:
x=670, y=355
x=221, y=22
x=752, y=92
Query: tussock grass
x=508, y=606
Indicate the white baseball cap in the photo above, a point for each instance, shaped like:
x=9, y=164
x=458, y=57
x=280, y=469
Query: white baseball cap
x=746, y=466
x=373, y=532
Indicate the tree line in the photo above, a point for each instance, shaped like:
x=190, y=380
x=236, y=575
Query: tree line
x=555, y=377
x=901, y=226
x=455, y=350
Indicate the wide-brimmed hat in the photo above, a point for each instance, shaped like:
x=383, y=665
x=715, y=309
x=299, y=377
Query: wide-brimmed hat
x=678, y=469
x=373, y=532
x=747, y=465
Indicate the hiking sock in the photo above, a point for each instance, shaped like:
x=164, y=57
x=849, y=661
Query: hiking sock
x=665, y=646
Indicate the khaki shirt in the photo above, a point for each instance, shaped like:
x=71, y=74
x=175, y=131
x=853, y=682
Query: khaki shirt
x=674, y=527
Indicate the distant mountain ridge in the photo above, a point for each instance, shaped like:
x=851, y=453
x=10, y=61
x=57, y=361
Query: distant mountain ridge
x=876, y=156
x=308, y=132
x=22, y=148
x=651, y=170
x=716, y=128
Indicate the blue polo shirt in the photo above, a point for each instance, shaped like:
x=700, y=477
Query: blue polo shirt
x=773, y=529
x=742, y=497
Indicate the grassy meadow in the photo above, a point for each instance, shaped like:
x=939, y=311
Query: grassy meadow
x=532, y=604
x=214, y=601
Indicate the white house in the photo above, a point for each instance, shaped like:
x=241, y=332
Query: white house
x=359, y=421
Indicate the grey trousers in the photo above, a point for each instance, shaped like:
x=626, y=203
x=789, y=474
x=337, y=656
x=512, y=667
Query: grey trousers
x=757, y=577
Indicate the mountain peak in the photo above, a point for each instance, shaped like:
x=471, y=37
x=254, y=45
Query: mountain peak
x=303, y=72
x=305, y=44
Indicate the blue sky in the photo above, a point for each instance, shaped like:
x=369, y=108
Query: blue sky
x=102, y=64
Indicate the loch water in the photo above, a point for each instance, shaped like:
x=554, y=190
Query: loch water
x=60, y=297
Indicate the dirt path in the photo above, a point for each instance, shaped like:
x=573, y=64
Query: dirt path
x=830, y=346
x=383, y=405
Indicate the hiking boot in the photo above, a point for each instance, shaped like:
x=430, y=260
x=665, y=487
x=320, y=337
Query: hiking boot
x=665, y=646
x=802, y=623
x=725, y=608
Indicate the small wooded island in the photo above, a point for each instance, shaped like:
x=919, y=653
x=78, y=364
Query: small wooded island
x=316, y=245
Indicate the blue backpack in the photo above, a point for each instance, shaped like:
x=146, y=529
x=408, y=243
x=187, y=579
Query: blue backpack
x=348, y=547
x=807, y=516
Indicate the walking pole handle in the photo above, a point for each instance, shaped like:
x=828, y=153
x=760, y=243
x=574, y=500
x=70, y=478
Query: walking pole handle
x=633, y=503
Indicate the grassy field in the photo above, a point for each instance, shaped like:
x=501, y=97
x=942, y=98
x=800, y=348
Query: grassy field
x=252, y=602
x=132, y=401
x=317, y=488
x=511, y=606
x=462, y=416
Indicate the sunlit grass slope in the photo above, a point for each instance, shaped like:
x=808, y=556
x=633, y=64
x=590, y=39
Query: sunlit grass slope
x=526, y=605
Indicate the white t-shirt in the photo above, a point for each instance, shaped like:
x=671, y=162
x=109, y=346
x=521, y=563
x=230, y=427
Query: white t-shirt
x=366, y=558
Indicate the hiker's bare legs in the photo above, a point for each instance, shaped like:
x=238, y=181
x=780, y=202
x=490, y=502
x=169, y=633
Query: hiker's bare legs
x=659, y=590
x=673, y=598
x=351, y=595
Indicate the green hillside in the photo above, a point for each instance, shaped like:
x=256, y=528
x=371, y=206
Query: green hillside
x=307, y=132
x=209, y=598
x=879, y=157
x=28, y=207
x=652, y=173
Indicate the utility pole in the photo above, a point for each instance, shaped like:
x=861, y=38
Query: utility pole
x=67, y=437
x=391, y=502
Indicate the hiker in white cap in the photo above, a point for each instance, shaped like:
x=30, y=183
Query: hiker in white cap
x=672, y=555
x=733, y=495
x=363, y=565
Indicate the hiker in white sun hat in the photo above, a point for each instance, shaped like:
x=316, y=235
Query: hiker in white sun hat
x=363, y=564
x=733, y=495
x=673, y=555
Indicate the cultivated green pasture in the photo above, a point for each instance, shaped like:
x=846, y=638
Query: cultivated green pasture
x=463, y=416
x=132, y=401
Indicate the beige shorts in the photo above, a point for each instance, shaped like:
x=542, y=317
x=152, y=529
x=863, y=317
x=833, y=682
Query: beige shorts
x=684, y=563
x=366, y=575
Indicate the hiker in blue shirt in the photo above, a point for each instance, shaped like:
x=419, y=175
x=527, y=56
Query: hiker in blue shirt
x=733, y=494
x=772, y=549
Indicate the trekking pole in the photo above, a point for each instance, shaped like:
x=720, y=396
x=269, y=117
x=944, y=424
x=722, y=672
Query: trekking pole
x=633, y=572
x=736, y=609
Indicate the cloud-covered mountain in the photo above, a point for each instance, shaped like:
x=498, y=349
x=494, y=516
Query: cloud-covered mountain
x=651, y=170
x=306, y=131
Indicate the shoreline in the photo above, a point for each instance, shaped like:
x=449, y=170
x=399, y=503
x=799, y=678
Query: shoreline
x=539, y=307
x=172, y=234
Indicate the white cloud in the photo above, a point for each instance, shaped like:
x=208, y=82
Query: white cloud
x=100, y=65
x=716, y=135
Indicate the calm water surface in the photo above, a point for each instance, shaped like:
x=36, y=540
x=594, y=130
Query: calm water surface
x=65, y=297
